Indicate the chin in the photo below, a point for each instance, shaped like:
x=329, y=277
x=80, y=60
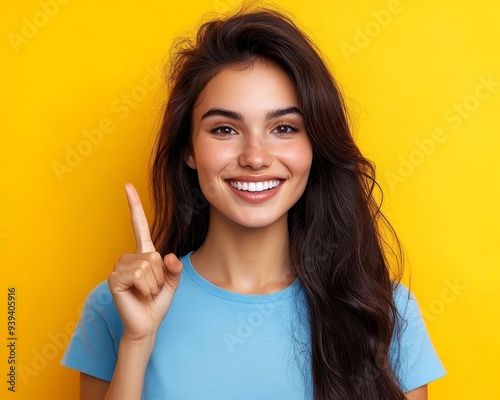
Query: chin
x=258, y=221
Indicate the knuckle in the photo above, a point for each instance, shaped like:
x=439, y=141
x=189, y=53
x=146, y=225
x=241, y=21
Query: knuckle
x=138, y=274
x=144, y=265
x=139, y=217
x=155, y=257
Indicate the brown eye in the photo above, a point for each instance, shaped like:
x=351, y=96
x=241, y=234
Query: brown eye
x=285, y=129
x=223, y=130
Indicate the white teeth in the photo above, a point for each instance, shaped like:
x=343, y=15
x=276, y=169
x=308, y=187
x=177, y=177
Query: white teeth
x=254, y=186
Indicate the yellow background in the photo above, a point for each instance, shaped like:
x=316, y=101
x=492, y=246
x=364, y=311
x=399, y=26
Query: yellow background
x=416, y=74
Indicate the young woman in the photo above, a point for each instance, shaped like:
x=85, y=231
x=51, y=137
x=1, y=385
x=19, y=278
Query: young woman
x=266, y=275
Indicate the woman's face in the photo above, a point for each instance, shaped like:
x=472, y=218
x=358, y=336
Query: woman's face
x=250, y=148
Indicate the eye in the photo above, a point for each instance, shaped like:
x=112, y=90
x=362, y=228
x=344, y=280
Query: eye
x=223, y=130
x=285, y=129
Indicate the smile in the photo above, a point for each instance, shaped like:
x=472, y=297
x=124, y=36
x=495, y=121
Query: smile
x=255, y=186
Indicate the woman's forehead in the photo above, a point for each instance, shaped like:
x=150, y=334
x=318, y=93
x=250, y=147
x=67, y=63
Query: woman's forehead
x=255, y=89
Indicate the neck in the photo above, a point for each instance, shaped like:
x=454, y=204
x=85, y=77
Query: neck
x=245, y=260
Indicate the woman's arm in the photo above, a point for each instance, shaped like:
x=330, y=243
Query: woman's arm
x=418, y=394
x=142, y=285
x=92, y=388
x=128, y=377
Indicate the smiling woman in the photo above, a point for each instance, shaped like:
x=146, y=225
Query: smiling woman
x=248, y=132
x=282, y=287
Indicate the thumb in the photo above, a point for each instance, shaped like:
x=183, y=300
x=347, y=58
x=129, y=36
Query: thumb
x=173, y=268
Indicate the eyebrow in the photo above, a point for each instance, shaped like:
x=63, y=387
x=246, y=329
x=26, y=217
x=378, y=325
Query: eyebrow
x=276, y=113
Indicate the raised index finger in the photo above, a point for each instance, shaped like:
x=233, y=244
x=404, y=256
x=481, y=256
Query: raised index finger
x=143, y=241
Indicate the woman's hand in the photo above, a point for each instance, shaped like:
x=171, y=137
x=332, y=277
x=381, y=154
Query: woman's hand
x=143, y=284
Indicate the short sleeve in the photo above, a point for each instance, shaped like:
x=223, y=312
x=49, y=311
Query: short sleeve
x=416, y=362
x=93, y=348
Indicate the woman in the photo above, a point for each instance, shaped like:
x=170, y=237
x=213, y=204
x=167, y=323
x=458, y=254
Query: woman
x=275, y=284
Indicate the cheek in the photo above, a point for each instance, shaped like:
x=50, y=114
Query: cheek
x=211, y=158
x=299, y=158
x=207, y=168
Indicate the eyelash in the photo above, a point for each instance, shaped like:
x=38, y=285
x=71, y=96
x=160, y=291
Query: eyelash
x=215, y=129
x=292, y=128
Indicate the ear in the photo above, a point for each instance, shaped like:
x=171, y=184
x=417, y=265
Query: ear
x=190, y=160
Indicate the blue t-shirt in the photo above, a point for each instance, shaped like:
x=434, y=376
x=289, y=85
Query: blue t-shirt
x=218, y=344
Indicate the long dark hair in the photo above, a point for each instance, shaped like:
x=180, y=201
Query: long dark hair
x=336, y=246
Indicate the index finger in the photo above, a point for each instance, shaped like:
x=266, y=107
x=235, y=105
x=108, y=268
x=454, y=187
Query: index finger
x=143, y=241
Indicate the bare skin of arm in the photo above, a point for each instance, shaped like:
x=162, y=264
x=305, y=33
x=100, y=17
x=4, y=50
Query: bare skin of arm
x=143, y=285
x=418, y=394
x=92, y=388
x=128, y=378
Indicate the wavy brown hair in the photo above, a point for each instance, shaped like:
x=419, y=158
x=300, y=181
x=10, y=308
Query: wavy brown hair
x=347, y=280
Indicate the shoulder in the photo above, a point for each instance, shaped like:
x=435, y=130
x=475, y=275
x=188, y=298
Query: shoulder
x=101, y=289
x=410, y=327
x=93, y=348
x=406, y=304
x=100, y=298
x=99, y=309
x=413, y=355
x=402, y=294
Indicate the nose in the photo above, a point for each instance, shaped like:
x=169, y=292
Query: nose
x=254, y=153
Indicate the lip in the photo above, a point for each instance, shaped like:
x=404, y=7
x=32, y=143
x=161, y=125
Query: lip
x=255, y=197
x=255, y=178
